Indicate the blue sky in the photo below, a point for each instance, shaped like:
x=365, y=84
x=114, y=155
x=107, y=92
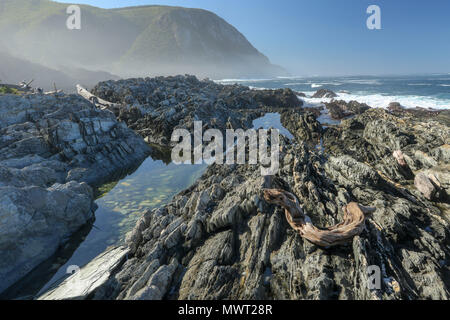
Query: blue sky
x=330, y=37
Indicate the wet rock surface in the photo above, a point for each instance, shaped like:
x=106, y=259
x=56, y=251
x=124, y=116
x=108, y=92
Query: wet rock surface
x=219, y=239
x=53, y=149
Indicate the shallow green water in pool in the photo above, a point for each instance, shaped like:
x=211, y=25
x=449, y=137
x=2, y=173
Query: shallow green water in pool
x=121, y=203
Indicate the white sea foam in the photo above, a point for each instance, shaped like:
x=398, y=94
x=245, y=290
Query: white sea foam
x=317, y=84
x=364, y=81
x=382, y=101
x=240, y=80
x=258, y=88
x=373, y=100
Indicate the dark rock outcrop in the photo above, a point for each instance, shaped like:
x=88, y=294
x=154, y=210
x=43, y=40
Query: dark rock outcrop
x=324, y=93
x=339, y=109
x=395, y=106
x=302, y=125
x=418, y=112
x=280, y=98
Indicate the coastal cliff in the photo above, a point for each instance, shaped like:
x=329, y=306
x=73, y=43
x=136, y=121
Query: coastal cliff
x=132, y=41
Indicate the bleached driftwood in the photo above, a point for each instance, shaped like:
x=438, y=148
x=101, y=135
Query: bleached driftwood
x=100, y=103
x=352, y=225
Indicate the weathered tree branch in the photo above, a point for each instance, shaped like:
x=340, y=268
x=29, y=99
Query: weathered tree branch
x=98, y=102
x=353, y=224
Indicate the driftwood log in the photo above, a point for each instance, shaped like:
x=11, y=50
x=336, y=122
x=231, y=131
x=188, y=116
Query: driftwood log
x=98, y=102
x=352, y=225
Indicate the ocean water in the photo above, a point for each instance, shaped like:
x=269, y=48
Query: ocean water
x=427, y=91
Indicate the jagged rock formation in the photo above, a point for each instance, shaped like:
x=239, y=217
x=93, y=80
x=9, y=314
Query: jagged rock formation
x=51, y=148
x=220, y=239
x=419, y=112
x=302, y=124
x=339, y=109
x=154, y=107
x=324, y=93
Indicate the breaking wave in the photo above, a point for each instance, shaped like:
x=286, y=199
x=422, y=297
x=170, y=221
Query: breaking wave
x=382, y=101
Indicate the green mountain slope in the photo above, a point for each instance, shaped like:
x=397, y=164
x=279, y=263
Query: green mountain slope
x=130, y=41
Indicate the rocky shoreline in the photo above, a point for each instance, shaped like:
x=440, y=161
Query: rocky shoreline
x=219, y=239
x=155, y=107
x=53, y=150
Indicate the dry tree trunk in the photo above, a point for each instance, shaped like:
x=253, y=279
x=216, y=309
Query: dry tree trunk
x=353, y=224
x=98, y=102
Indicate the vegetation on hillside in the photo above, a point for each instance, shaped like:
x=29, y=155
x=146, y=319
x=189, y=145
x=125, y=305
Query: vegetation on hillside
x=8, y=90
x=130, y=41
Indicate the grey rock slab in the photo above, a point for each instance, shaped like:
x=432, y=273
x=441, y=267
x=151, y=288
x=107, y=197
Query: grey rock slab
x=85, y=281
